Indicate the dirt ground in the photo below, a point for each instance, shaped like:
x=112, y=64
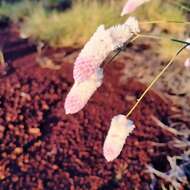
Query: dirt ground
x=41, y=148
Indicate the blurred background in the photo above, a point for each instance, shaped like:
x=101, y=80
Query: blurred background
x=41, y=148
x=32, y=16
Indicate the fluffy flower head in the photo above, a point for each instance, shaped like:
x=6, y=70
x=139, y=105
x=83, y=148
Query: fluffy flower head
x=93, y=54
x=81, y=92
x=100, y=45
x=119, y=130
x=87, y=73
x=123, y=32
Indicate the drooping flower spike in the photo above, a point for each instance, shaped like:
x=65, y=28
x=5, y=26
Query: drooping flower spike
x=92, y=55
x=119, y=130
x=87, y=73
x=81, y=92
x=100, y=45
x=121, y=127
x=132, y=5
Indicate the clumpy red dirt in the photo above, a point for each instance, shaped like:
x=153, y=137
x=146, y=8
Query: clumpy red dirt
x=41, y=148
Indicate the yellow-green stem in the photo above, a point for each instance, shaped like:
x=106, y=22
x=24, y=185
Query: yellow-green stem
x=164, y=21
x=162, y=37
x=154, y=81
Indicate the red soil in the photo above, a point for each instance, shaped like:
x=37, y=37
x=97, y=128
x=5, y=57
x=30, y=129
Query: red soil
x=41, y=148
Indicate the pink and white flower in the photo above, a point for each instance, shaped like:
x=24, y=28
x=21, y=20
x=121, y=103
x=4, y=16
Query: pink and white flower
x=132, y=5
x=124, y=32
x=81, y=92
x=119, y=130
x=87, y=73
x=100, y=45
x=84, y=68
x=93, y=54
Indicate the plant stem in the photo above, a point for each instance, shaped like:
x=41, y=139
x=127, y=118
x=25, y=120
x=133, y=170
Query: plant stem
x=161, y=37
x=150, y=36
x=180, y=41
x=155, y=80
x=160, y=74
x=113, y=57
x=119, y=50
x=180, y=5
x=165, y=21
x=143, y=36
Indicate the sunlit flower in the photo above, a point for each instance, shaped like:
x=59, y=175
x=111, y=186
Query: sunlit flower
x=119, y=130
x=84, y=68
x=188, y=40
x=100, y=45
x=90, y=59
x=123, y=32
x=93, y=54
x=81, y=92
x=132, y=5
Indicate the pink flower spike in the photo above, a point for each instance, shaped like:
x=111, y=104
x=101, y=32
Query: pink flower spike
x=132, y=5
x=81, y=92
x=100, y=45
x=119, y=130
x=187, y=63
x=84, y=68
x=73, y=103
x=93, y=54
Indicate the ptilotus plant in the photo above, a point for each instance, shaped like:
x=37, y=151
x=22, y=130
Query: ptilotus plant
x=88, y=74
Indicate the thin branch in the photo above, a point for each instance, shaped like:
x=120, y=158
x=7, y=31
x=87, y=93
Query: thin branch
x=120, y=49
x=155, y=80
x=164, y=21
x=162, y=37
